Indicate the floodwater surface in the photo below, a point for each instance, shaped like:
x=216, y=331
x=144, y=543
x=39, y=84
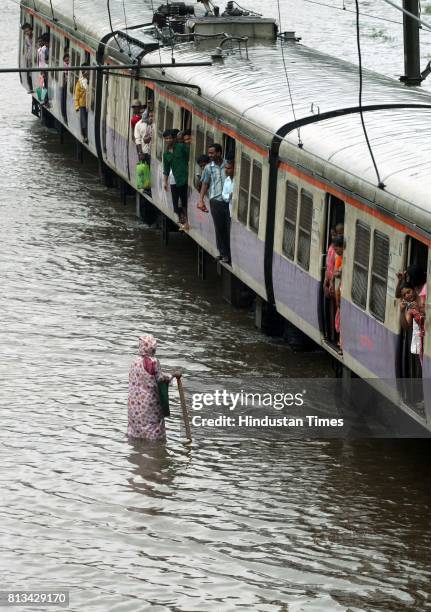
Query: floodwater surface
x=224, y=524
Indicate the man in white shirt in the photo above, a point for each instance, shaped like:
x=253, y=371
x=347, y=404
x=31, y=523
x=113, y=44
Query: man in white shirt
x=227, y=194
x=143, y=137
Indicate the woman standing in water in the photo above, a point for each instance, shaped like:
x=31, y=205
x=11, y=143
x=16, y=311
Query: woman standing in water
x=146, y=419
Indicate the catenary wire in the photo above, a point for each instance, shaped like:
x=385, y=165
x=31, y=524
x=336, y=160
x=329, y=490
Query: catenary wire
x=358, y=42
x=125, y=24
x=406, y=12
x=110, y=23
x=287, y=76
x=346, y=10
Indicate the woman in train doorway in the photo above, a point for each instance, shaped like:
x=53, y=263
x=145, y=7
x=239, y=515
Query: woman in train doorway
x=146, y=419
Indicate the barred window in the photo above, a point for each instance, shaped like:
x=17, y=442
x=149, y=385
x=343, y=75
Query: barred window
x=361, y=264
x=256, y=186
x=169, y=120
x=379, y=275
x=305, y=225
x=244, y=189
x=290, y=216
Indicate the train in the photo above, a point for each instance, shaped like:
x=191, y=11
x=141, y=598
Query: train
x=290, y=117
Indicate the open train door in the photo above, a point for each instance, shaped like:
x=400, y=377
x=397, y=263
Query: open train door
x=335, y=213
x=409, y=368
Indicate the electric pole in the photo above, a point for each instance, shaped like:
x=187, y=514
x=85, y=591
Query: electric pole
x=412, y=69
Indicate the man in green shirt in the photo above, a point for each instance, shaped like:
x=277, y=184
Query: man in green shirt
x=175, y=174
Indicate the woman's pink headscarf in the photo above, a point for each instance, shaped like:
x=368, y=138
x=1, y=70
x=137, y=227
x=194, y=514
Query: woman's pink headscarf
x=147, y=346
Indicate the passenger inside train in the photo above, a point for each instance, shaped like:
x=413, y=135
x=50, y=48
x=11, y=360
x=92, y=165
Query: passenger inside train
x=332, y=285
x=143, y=135
x=27, y=51
x=411, y=291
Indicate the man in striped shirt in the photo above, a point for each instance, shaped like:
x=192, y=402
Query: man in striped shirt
x=213, y=178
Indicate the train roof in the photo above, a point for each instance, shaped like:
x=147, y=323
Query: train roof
x=254, y=92
x=91, y=20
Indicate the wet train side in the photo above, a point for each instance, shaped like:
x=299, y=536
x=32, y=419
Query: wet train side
x=377, y=245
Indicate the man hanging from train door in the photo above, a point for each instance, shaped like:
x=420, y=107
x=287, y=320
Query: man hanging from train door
x=213, y=179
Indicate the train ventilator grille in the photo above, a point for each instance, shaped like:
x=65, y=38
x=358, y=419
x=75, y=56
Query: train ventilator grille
x=361, y=264
x=379, y=275
x=304, y=234
x=290, y=215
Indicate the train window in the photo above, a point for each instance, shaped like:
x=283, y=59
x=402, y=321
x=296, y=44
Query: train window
x=256, y=185
x=228, y=147
x=169, y=120
x=304, y=233
x=361, y=264
x=209, y=141
x=379, y=275
x=200, y=137
x=186, y=119
x=149, y=97
x=290, y=215
x=244, y=189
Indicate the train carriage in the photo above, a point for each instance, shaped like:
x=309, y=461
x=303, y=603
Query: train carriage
x=300, y=167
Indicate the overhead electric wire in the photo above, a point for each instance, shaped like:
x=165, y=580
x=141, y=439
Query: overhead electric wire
x=287, y=77
x=361, y=113
x=125, y=24
x=406, y=12
x=160, y=54
x=110, y=24
x=73, y=15
x=346, y=10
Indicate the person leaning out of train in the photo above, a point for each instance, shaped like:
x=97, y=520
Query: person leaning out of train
x=175, y=174
x=416, y=276
x=81, y=99
x=330, y=260
x=137, y=110
x=27, y=51
x=143, y=137
x=412, y=315
x=339, y=246
x=43, y=51
x=201, y=162
x=187, y=137
x=213, y=179
x=229, y=184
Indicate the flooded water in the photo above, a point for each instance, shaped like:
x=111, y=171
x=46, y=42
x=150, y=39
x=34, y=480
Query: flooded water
x=225, y=524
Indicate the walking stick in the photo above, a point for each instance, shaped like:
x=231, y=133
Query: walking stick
x=184, y=409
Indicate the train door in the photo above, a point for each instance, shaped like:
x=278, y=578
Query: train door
x=334, y=225
x=105, y=112
x=410, y=369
